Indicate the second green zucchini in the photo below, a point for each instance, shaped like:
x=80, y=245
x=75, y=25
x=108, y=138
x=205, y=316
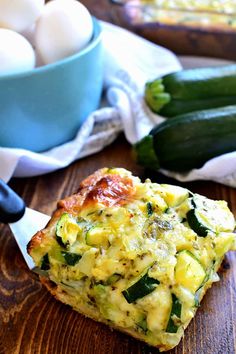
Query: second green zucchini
x=188, y=141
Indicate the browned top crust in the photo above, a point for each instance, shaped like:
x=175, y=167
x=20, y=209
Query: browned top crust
x=101, y=187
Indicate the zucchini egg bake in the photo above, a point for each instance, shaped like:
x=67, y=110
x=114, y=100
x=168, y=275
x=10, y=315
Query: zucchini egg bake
x=136, y=256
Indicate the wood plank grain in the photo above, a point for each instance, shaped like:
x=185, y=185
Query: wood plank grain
x=31, y=321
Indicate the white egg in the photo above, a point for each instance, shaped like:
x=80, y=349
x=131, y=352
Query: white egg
x=64, y=28
x=19, y=14
x=16, y=53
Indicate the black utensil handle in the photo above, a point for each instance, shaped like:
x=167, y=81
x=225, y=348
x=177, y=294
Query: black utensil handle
x=12, y=207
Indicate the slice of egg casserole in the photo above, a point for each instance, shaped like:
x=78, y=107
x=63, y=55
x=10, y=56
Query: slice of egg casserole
x=136, y=256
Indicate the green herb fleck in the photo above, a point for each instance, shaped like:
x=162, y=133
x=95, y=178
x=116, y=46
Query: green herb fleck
x=142, y=324
x=113, y=279
x=149, y=209
x=60, y=242
x=71, y=258
x=45, y=265
x=175, y=315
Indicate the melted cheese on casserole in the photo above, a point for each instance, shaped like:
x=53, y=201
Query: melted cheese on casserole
x=214, y=14
x=121, y=231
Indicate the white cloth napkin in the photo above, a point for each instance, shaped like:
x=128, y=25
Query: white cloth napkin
x=130, y=61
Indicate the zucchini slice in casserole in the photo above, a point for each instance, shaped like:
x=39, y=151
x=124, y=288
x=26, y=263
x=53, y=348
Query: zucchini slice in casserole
x=136, y=256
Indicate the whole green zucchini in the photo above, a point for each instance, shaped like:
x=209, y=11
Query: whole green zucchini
x=177, y=107
x=182, y=88
x=188, y=141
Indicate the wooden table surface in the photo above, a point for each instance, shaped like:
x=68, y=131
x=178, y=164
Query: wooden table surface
x=31, y=321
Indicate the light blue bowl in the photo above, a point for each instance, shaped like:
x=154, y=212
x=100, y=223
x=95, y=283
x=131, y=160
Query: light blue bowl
x=44, y=107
